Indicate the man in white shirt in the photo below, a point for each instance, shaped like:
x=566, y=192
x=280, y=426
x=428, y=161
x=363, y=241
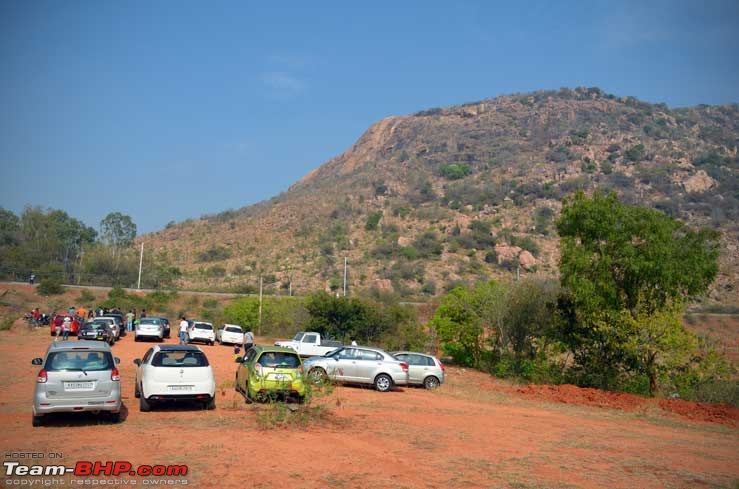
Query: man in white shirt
x=183, y=331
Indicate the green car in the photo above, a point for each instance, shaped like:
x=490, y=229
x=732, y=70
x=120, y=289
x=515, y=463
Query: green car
x=270, y=372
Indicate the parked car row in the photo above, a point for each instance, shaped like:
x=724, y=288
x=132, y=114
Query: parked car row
x=83, y=375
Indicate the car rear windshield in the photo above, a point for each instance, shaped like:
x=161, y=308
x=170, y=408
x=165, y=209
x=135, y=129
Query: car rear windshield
x=279, y=359
x=203, y=326
x=232, y=329
x=94, y=326
x=88, y=361
x=180, y=359
x=150, y=321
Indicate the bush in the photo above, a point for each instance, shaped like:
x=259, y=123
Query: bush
x=214, y=253
x=86, y=297
x=455, y=171
x=50, y=286
x=372, y=221
x=635, y=153
x=560, y=154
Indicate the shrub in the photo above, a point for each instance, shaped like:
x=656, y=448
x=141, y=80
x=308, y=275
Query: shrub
x=50, y=286
x=635, y=153
x=428, y=244
x=214, y=253
x=86, y=297
x=560, y=154
x=372, y=221
x=455, y=171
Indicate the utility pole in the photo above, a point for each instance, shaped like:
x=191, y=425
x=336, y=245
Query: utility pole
x=259, y=325
x=141, y=264
x=345, y=259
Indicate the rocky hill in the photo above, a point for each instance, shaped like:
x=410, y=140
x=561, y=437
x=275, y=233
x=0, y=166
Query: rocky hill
x=450, y=195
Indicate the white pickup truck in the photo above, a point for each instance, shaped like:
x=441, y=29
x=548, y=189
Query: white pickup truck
x=310, y=344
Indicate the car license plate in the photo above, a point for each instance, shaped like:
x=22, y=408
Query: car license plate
x=180, y=388
x=280, y=376
x=79, y=386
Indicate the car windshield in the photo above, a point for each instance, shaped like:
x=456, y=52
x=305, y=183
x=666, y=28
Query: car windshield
x=203, y=326
x=153, y=321
x=179, y=358
x=103, y=321
x=88, y=361
x=279, y=359
x=232, y=329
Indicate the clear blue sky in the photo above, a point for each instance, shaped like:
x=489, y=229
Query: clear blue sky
x=168, y=110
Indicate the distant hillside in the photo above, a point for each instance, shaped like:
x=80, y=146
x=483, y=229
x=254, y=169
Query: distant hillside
x=450, y=195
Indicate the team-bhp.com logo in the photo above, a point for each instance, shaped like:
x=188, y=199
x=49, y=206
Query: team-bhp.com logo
x=84, y=468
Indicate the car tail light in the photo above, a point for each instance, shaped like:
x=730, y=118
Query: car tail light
x=114, y=374
x=443, y=369
x=258, y=369
x=42, y=377
x=404, y=366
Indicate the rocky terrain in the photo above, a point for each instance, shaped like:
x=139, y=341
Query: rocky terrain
x=453, y=195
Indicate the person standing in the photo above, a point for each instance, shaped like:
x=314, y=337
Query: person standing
x=57, y=330
x=129, y=321
x=36, y=316
x=183, y=330
x=143, y=313
x=66, y=328
x=248, y=340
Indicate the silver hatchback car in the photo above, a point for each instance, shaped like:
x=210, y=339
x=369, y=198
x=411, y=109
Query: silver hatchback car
x=358, y=365
x=77, y=376
x=425, y=370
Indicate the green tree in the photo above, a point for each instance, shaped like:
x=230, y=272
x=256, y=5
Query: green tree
x=9, y=226
x=624, y=268
x=470, y=323
x=118, y=231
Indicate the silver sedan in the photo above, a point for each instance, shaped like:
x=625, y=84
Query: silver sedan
x=359, y=365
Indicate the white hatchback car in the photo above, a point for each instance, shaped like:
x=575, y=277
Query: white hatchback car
x=174, y=373
x=201, y=331
x=230, y=333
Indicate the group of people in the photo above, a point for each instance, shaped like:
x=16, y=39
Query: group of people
x=131, y=320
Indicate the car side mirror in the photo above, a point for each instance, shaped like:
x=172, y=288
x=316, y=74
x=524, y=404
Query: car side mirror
x=137, y=362
x=239, y=360
x=116, y=360
x=37, y=361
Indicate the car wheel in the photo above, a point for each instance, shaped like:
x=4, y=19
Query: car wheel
x=383, y=383
x=317, y=375
x=136, y=392
x=236, y=384
x=211, y=405
x=114, y=417
x=144, y=405
x=37, y=420
x=431, y=382
x=135, y=338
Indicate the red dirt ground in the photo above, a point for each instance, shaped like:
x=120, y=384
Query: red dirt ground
x=474, y=431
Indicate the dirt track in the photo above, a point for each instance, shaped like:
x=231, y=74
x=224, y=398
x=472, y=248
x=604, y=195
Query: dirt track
x=473, y=432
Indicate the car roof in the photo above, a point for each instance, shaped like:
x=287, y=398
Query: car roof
x=273, y=349
x=83, y=345
x=177, y=348
x=411, y=353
